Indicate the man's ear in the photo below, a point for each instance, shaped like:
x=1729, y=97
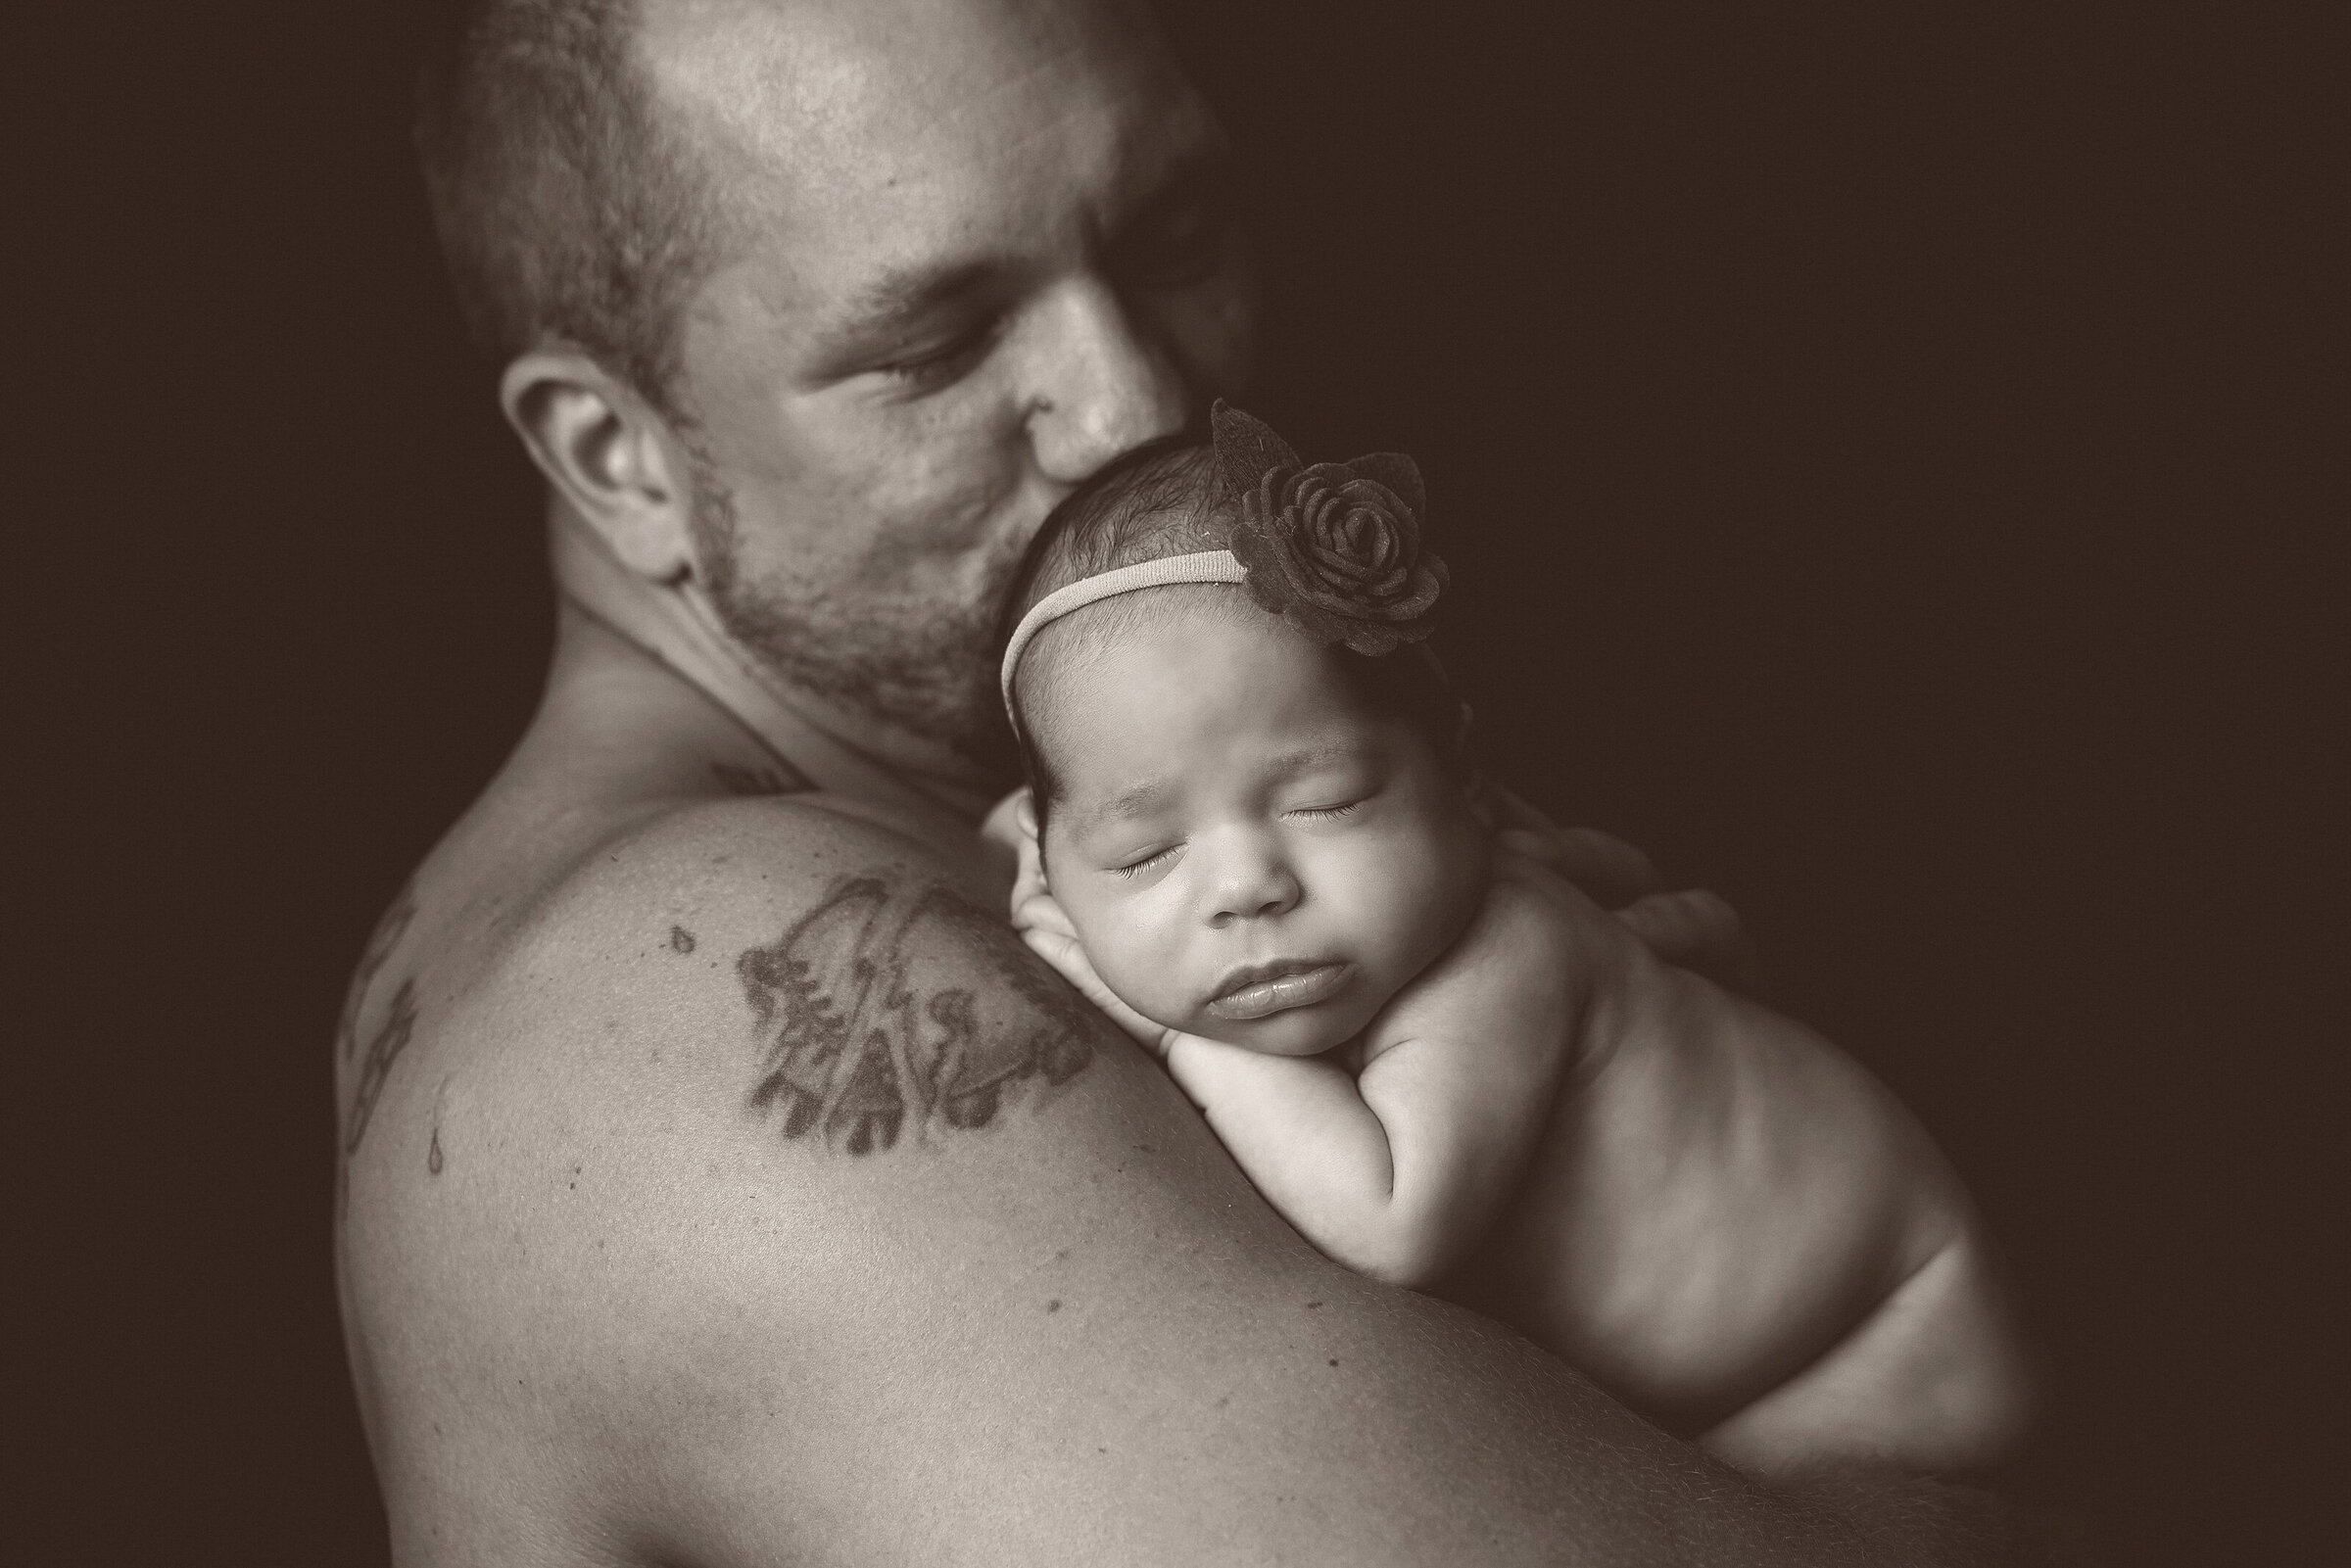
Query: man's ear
x=607, y=453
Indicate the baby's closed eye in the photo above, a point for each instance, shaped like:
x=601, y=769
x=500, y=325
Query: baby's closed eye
x=1147, y=861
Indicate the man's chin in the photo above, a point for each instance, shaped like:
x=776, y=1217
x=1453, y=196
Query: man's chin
x=970, y=725
x=936, y=687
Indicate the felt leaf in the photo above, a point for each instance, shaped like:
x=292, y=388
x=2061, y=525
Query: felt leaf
x=1247, y=450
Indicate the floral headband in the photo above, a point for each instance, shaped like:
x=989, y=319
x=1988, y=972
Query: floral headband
x=1335, y=546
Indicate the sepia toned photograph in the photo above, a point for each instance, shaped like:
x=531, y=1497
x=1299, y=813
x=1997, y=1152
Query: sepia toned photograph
x=1163, y=783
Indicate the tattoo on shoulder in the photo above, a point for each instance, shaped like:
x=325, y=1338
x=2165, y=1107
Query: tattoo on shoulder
x=434, y=1159
x=390, y=1039
x=391, y=1035
x=380, y=943
x=896, y=1001
x=739, y=781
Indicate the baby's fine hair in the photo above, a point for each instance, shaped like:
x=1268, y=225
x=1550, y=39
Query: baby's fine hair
x=1167, y=497
x=1161, y=499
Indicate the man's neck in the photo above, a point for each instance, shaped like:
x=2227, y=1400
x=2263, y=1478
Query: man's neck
x=846, y=752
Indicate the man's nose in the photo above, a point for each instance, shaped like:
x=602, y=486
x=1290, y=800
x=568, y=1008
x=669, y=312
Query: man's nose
x=1101, y=388
x=1252, y=883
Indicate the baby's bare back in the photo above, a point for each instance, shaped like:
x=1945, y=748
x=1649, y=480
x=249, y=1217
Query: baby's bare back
x=1728, y=1220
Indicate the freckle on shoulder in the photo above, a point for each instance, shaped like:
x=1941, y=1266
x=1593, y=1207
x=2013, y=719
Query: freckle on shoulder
x=710, y=880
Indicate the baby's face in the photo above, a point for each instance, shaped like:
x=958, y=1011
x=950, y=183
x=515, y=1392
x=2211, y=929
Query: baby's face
x=1247, y=853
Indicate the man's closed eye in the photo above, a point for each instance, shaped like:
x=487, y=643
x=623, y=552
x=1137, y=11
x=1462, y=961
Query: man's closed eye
x=942, y=364
x=1181, y=238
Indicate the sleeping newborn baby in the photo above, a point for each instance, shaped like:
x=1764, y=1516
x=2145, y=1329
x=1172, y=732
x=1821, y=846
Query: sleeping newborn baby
x=1256, y=837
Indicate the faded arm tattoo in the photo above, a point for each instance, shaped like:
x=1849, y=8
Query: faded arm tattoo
x=380, y=943
x=391, y=1035
x=894, y=1002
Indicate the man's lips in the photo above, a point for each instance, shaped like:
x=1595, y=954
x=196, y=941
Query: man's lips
x=1259, y=989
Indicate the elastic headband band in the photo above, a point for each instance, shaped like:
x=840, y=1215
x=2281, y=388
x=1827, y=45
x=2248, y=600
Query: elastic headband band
x=1206, y=566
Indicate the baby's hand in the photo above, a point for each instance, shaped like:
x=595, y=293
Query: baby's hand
x=1694, y=929
x=1046, y=929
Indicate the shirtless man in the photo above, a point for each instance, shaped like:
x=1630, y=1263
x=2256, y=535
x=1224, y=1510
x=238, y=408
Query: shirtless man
x=724, y=1183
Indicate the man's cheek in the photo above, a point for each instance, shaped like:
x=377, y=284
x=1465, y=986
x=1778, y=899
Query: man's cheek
x=946, y=473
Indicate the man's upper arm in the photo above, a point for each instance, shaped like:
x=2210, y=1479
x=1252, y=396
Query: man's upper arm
x=834, y=1229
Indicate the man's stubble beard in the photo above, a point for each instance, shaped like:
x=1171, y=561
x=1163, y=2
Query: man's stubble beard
x=928, y=667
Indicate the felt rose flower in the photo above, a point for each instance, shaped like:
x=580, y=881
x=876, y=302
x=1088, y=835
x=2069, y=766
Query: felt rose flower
x=1335, y=546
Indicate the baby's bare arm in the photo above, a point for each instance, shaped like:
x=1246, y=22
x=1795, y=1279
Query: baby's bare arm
x=1304, y=1135
x=1397, y=1169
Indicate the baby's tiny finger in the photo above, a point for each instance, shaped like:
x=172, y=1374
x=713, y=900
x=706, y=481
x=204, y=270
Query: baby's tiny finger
x=1055, y=949
x=1612, y=872
x=1043, y=912
x=1518, y=814
x=1698, y=930
x=1525, y=841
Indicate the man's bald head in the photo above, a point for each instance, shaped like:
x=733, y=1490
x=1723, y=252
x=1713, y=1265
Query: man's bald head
x=582, y=192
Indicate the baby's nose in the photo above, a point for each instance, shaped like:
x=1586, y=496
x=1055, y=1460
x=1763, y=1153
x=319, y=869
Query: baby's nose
x=1257, y=889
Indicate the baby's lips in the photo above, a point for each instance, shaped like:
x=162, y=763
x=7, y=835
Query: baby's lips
x=1279, y=993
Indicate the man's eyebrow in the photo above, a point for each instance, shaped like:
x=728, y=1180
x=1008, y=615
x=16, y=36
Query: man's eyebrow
x=1206, y=170
x=902, y=297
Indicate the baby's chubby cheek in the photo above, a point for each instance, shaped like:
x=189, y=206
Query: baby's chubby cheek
x=1149, y=975
x=1132, y=954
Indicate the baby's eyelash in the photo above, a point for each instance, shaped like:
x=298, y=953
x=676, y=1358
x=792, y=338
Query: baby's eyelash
x=1146, y=863
x=1325, y=812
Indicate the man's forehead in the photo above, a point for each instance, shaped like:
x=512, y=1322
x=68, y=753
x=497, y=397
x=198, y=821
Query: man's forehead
x=816, y=107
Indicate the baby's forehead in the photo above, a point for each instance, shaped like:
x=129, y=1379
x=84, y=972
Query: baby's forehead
x=1112, y=672
x=1113, y=639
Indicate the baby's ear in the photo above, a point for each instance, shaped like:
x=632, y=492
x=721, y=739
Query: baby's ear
x=1032, y=880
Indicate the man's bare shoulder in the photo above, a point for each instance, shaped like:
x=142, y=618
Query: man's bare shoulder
x=767, y=1200
x=768, y=1172
x=847, y=983
x=696, y=1139
x=772, y=974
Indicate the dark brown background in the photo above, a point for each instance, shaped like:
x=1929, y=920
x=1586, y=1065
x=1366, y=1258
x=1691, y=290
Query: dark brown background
x=1878, y=458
